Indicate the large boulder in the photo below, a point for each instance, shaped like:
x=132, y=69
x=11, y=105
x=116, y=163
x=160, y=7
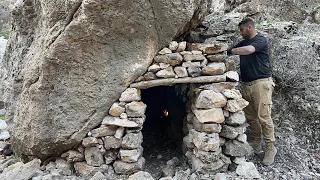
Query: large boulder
x=67, y=62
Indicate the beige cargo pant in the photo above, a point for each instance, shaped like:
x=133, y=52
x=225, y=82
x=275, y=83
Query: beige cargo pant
x=258, y=113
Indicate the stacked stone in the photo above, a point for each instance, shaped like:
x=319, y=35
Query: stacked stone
x=216, y=125
x=118, y=140
x=181, y=60
x=128, y=115
x=215, y=119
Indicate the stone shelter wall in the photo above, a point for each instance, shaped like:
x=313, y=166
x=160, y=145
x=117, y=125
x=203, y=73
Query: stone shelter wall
x=214, y=121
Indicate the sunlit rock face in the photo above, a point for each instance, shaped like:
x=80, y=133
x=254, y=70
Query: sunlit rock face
x=68, y=61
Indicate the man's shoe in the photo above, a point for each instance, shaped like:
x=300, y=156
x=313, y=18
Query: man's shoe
x=269, y=155
x=256, y=146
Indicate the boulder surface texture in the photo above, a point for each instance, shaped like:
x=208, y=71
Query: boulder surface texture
x=67, y=62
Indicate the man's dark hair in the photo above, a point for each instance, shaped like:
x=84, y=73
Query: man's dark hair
x=246, y=22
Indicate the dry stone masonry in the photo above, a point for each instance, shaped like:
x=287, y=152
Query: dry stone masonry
x=214, y=121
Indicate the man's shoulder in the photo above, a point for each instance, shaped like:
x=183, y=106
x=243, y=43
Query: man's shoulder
x=260, y=36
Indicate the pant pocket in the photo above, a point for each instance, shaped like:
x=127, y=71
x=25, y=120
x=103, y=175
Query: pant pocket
x=266, y=110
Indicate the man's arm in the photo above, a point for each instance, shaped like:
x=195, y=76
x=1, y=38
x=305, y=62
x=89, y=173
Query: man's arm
x=244, y=50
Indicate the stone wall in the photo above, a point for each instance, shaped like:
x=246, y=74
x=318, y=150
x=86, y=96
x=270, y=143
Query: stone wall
x=214, y=121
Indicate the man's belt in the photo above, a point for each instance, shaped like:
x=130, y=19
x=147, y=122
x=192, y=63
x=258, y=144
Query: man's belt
x=256, y=81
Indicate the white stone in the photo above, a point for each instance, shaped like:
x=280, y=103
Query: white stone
x=110, y=142
x=123, y=116
x=132, y=140
x=115, y=121
x=235, y=105
x=185, y=52
x=242, y=138
x=2, y=111
x=119, y=133
x=164, y=65
x=194, y=57
x=214, y=69
x=239, y=160
x=196, y=52
x=181, y=71
x=2, y=145
x=154, y=68
x=173, y=45
x=236, y=118
x=232, y=75
x=72, y=156
x=214, y=115
x=166, y=73
x=206, y=127
x=136, y=109
x=182, y=46
x=190, y=63
x=210, y=99
x=231, y=93
x=130, y=155
x=93, y=156
x=128, y=168
x=165, y=51
x=131, y=94
x=4, y=135
x=248, y=170
x=204, y=141
x=116, y=110
x=98, y=176
x=3, y=124
x=231, y=132
x=104, y=131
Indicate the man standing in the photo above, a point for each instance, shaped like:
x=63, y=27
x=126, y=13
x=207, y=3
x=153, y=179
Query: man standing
x=257, y=87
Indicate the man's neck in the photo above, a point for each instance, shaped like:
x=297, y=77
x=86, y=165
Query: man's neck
x=253, y=34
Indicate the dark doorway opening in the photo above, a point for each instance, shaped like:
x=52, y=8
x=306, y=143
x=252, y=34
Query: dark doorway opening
x=162, y=130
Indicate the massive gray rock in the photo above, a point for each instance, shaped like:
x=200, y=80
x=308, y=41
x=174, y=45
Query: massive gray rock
x=68, y=61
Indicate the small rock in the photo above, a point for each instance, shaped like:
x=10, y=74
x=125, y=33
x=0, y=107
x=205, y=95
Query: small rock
x=247, y=170
x=182, y=46
x=90, y=141
x=115, y=121
x=232, y=76
x=130, y=94
x=136, y=109
x=128, y=168
x=141, y=175
x=173, y=46
x=4, y=135
x=116, y=110
x=165, y=51
x=194, y=71
x=190, y=64
x=119, y=133
x=93, y=156
x=166, y=73
x=154, y=68
x=149, y=76
x=98, y=176
x=132, y=140
x=181, y=71
x=3, y=124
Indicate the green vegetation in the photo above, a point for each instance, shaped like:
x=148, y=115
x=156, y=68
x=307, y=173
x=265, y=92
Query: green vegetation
x=5, y=34
x=2, y=117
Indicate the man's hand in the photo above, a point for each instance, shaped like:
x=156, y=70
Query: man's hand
x=244, y=50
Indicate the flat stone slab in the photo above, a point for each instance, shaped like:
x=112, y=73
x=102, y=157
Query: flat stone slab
x=115, y=121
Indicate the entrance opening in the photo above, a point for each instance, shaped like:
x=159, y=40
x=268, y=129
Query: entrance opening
x=162, y=130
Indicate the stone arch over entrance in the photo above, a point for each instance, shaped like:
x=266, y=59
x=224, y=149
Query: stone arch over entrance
x=214, y=123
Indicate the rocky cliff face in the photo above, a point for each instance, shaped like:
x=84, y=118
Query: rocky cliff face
x=68, y=61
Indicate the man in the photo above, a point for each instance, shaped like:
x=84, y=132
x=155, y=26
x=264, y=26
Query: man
x=257, y=87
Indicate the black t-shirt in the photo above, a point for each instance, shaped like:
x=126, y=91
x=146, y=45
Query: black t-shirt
x=256, y=65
